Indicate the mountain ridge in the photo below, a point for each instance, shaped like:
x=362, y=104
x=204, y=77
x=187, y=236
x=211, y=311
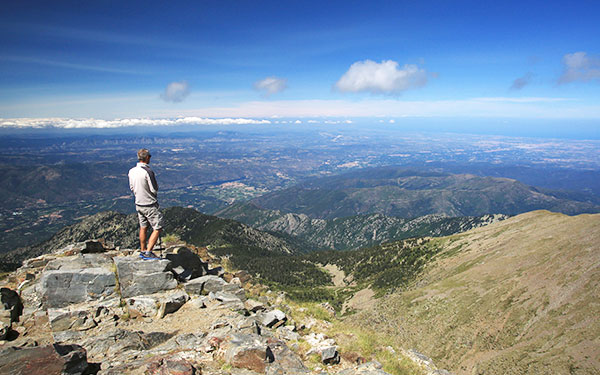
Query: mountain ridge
x=121, y=230
x=350, y=232
x=409, y=194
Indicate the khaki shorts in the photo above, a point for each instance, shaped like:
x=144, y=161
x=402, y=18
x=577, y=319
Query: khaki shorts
x=150, y=215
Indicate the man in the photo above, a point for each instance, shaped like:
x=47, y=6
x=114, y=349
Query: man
x=142, y=183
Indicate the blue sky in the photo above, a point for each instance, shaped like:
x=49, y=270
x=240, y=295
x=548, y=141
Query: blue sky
x=299, y=59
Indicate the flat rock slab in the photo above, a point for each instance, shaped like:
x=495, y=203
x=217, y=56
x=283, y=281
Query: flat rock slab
x=63, y=320
x=80, y=261
x=139, y=277
x=46, y=360
x=205, y=285
x=118, y=341
x=60, y=288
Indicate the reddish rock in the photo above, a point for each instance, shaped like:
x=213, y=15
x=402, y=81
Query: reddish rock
x=170, y=366
x=47, y=360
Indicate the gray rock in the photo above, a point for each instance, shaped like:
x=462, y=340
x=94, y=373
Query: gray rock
x=140, y=277
x=68, y=337
x=287, y=333
x=254, y=306
x=285, y=362
x=226, y=297
x=62, y=320
x=60, y=288
x=205, y=285
x=172, y=302
x=80, y=261
x=330, y=356
x=269, y=319
x=143, y=306
x=235, y=290
x=118, y=341
x=200, y=302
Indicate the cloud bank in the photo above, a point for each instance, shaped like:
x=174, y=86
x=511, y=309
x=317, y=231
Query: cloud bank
x=579, y=66
x=176, y=92
x=67, y=123
x=271, y=85
x=381, y=78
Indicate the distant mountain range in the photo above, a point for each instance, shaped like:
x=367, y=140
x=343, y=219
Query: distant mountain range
x=349, y=232
x=410, y=194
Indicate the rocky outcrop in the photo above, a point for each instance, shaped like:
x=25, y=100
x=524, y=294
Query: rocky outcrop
x=109, y=312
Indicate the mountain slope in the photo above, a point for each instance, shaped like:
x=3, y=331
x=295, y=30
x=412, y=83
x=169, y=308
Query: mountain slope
x=122, y=230
x=350, y=232
x=515, y=297
x=410, y=194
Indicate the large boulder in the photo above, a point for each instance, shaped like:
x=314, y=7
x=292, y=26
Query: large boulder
x=46, y=360
x=248, y=351
x=138, y=276
x=157, y=305
x=186, y=263
x=60, y=288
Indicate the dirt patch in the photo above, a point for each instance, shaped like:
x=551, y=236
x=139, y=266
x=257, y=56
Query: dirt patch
x=362, y=300
x=337, y=274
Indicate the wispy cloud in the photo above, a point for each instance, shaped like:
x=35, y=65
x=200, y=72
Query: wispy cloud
x=381, y=78
x=176, y=92
x=271, y=85
x=579, y=66
x=68, y=65
x=521, y=82
x=67, y=123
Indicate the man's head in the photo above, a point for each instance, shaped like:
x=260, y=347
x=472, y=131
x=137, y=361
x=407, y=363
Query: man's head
x=144, y=155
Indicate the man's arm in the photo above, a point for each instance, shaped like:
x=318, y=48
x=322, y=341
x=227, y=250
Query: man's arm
x=152, y=184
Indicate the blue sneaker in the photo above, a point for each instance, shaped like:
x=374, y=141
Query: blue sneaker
x=148, y=255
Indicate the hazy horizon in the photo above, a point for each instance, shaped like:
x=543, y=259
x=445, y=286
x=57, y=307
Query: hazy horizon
x=457, y=67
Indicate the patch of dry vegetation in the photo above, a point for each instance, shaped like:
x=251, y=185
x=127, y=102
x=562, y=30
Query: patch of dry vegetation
x=517, y=297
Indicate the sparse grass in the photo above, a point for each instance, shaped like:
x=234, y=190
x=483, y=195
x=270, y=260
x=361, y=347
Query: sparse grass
x=374, y=346
x=301, y=310
x=171, y=239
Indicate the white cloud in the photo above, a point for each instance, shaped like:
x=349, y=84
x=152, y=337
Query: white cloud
x=521, y=82
x=67, y=123
x=381, y=78
x=176, y=91
x=271, y=85
x=579, y=66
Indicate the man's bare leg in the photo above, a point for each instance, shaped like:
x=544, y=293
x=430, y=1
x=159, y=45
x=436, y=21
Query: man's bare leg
x=143, y=233
x=153, y=239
